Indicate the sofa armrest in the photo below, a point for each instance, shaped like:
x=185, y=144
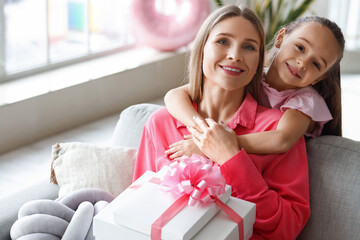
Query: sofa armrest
x=334, y=175
x=10, y=205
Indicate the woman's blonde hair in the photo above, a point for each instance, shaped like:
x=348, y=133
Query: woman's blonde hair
x=195, y=73
x=329, y=88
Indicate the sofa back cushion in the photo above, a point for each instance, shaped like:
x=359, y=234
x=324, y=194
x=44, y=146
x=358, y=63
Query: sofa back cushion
x=129, y=128
x=334, y=172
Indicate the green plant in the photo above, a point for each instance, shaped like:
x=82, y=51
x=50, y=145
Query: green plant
x=219, y=3
x=276, y=14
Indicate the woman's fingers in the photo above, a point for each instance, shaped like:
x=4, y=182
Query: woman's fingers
x=200, y=124
x=187, y=136
x=210, y=122
x=194, y=133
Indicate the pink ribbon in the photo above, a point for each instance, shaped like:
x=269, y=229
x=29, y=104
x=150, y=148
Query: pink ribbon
x=196, y=180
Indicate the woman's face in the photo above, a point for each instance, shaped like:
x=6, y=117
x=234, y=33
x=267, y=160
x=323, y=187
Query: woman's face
x=231, y=53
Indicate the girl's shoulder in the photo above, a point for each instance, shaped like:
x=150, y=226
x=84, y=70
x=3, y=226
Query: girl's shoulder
x=307, y=91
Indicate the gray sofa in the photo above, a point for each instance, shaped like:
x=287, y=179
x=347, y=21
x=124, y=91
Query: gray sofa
x=334, y=166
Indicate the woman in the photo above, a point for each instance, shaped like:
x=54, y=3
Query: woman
x=224, y=72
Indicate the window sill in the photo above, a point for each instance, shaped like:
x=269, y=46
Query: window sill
x=50, y=103
x=57, y=79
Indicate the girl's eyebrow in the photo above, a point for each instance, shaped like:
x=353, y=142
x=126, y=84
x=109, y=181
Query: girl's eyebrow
x=308, y=42
x=232, y=36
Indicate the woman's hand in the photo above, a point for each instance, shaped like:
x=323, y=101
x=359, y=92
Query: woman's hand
x=185, y=147
x=217, y=142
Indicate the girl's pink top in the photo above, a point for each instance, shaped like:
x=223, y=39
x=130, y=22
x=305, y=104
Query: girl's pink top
x=306, y=100
x=277, y=183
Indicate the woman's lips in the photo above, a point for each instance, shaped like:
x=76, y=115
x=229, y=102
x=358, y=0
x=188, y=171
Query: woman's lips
x=232, y=70
x=293, y=71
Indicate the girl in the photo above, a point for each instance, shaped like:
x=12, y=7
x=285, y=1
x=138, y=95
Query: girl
x=276, y=183
x=303, y=81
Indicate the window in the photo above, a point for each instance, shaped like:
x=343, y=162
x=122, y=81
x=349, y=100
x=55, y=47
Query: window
x=346, y=13
x=37, y=35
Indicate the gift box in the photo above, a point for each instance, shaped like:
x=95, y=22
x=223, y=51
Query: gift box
x=113, y=221
x=150, y=201
x=221, y=227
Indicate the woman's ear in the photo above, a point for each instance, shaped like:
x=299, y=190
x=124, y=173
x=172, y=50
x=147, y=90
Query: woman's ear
x=280, y=37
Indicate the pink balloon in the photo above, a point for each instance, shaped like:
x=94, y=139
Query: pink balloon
x=167, y=32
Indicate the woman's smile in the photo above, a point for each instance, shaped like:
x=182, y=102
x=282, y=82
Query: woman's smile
x=232, y=70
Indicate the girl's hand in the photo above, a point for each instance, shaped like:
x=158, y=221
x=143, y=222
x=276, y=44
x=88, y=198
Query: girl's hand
x=185, y=147
x=217, y=142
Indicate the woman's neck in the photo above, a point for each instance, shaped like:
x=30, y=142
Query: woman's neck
x=219, y=104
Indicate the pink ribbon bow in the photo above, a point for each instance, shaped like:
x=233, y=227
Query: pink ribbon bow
x=195, y=176
x=193, y=180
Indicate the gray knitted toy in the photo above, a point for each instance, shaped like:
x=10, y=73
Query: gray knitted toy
x=67, y=218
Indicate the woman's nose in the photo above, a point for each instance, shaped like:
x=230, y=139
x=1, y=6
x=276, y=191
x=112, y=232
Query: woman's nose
x=235, y=54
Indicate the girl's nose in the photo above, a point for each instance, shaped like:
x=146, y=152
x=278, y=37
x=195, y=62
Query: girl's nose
x=301, y=63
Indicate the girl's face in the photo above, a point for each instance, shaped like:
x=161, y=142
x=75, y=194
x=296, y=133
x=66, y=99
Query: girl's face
x=305, y=55
x=231, y=53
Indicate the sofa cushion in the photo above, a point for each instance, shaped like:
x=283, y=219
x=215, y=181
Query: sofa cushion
x=130, y=126
x=334, y=172
x=78, y=165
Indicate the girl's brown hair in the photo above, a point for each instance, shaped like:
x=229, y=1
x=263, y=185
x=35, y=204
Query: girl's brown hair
x=195, y=74
x=330, y=87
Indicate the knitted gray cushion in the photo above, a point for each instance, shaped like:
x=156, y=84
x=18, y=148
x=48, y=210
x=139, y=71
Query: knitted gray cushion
x=67, y=218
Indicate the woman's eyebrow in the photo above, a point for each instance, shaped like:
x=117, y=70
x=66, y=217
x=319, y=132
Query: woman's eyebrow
x=232, y=36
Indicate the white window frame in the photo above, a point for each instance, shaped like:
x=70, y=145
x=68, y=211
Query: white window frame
x=4, y=77
x=351, y=60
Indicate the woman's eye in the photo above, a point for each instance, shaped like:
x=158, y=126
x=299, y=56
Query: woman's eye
x=301, y=48
x=223, y=41
x=249, y=47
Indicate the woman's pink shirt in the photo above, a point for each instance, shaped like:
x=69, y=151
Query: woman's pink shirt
x=276, y=183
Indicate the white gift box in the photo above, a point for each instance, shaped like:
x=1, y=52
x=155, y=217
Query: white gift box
x=123, y=219
x=221, y=227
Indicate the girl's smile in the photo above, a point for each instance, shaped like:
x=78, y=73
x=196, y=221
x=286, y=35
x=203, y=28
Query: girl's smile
x=293, y=71
x=302, y=59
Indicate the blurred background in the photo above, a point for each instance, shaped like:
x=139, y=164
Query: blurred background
x=36, y=35
x=69, y=67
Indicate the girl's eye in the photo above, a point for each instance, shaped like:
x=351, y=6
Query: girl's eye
x=301, y=48
x=316, y=65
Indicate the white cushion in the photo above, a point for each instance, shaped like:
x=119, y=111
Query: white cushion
x=82, y=165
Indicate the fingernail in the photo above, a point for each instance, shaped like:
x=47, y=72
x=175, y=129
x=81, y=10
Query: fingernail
x=221, y=122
